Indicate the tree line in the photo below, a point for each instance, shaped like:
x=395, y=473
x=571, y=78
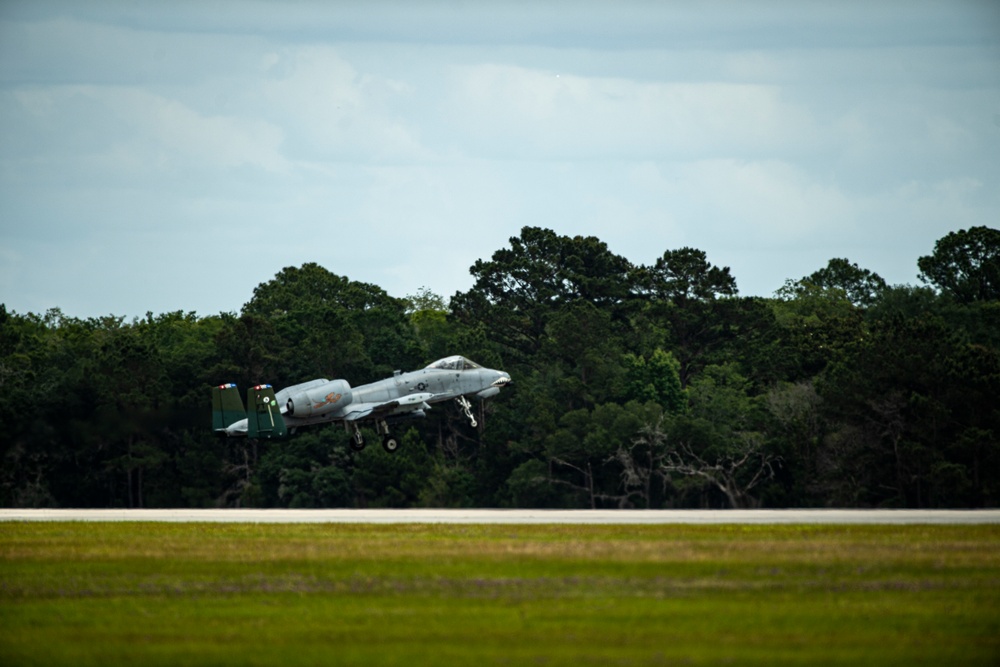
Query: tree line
x=634, y=386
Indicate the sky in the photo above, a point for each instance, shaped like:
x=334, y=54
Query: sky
x=164, y=156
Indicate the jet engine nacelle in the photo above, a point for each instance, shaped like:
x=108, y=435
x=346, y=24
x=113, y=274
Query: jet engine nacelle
x=319, y=400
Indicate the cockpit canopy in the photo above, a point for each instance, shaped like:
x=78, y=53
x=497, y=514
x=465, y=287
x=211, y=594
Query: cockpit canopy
x=455, y=363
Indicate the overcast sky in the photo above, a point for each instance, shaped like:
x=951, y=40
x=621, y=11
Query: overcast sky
x=173, y=155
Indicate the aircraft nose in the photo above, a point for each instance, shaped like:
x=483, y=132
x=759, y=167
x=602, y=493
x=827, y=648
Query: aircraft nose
x=502, y=381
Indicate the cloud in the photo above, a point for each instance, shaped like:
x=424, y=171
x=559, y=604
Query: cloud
x=763, y=203
x=506, y=110
x=399, y=143
x=178, y=133
x=123, y=129
x=331, y=111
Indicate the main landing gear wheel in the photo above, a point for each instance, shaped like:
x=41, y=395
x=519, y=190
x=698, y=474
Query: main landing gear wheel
x=357, y=440
x=390, y=444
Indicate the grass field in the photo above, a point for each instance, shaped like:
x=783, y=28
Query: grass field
x=247, y=594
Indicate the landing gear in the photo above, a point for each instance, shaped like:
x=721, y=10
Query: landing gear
x=466, y=406
x=390, y=444
x=357, y=440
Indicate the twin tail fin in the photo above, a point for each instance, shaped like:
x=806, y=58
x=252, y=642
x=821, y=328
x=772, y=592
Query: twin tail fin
x=264, y=419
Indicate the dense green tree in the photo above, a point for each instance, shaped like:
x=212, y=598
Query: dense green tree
x=581, y=450
x=656, y=379
x=861, y=287
x=311, y=470
x=794, y=429
x=816, y=325
x=965, y=265
x=425, y=299
x=517, y=291
x=440, y=335
x=29, y=445
x=647, y=387
x=580, y=342
x=394, y=480
x=685, y=275
x=902, y=403
x=529, y=485
x=717, y=445
x=330, y=326
x=643, y=462
x=248, y=352
x=685, y=295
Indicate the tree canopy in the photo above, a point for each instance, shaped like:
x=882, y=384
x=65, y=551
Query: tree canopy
x=965, y=265
x=634, y=386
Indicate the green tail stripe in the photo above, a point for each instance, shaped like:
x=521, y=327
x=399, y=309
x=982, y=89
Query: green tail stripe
x=264, y=419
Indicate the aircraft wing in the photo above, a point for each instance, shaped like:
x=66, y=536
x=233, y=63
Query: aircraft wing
x=357, y=411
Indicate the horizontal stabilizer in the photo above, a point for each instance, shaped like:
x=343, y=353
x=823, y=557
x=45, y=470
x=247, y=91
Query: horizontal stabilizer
x=264, y=418
x=227, y=408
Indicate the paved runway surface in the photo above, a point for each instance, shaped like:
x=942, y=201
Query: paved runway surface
x=825, y=516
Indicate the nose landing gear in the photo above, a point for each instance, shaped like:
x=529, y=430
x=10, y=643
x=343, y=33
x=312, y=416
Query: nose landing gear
x=466, y=406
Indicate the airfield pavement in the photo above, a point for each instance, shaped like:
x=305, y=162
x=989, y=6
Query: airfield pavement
x=514, y=516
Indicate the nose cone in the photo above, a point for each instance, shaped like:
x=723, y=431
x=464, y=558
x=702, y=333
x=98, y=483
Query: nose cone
x=499, y=379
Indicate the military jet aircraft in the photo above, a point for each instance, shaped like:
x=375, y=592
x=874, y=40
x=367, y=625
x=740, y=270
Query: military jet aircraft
x=322, y=401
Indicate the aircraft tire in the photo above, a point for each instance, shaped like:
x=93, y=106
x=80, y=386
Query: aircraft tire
x=357, y=446
x=390, y=444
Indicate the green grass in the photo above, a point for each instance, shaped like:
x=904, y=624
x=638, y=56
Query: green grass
x=245, y=594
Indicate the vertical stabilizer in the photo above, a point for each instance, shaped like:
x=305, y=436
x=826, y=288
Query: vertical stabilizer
x=264, y=418
x=227, y=408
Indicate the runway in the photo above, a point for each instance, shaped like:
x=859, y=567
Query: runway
x=499, y=516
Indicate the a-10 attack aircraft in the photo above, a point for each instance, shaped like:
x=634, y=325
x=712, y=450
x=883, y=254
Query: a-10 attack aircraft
x=322, y=401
